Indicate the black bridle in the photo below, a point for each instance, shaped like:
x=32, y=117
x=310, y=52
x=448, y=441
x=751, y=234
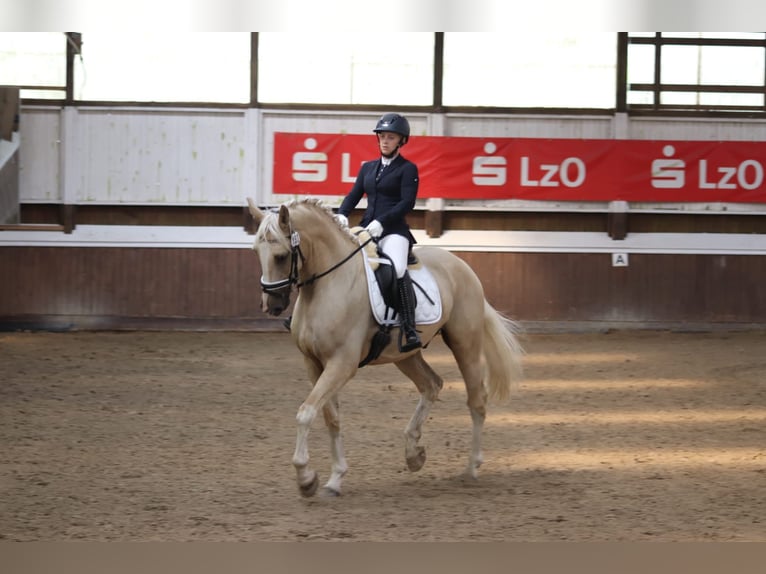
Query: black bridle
x=274, y=287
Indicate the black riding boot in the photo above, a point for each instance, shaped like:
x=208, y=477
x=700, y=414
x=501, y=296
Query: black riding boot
x=408, y=336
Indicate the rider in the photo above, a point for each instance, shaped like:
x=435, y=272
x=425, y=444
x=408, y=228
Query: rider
x=391, y=186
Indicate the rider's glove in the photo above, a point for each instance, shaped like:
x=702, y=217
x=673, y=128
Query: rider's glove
x=375, y=229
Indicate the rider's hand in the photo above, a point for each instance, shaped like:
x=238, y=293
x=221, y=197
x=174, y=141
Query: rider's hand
x=342, y=219
x=375, y=229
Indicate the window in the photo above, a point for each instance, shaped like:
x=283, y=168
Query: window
x=697, y=71
x=535, y=70
x=348, y=68
x=688, y=72
x=164, y=67
x=35, y=61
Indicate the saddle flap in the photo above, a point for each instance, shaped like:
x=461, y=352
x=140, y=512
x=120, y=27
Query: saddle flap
x=429, y=308
x=386, y=278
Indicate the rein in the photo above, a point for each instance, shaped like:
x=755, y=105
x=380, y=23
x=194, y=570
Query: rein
x=272, y=287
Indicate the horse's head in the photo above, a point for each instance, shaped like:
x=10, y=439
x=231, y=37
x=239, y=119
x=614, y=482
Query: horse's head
x=289, y=258
x=279, y=257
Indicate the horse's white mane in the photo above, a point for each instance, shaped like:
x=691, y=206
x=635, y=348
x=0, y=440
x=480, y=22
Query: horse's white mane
x=270, y=223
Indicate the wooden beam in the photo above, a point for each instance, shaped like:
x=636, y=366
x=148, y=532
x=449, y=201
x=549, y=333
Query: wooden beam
x=68, y=217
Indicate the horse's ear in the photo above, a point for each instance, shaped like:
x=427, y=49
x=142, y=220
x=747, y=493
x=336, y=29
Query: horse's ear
x=257, y=214
x=284, y=219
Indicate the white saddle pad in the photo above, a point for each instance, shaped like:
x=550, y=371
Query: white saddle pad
x=426, y=313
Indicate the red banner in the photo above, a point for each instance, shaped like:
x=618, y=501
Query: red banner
x=534, y=169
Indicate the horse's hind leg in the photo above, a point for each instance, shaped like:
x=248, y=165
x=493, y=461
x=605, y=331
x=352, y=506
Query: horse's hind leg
x=429, y=383
x=467, y=352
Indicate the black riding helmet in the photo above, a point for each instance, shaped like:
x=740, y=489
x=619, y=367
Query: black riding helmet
x=394, y=123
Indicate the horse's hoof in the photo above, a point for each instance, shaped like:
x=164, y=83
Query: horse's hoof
x=328, y=492
x=310, y=488
x=415, y=463
x=471, y=474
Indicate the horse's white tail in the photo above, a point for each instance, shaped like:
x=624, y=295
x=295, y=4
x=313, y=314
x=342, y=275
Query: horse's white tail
x=502, y=352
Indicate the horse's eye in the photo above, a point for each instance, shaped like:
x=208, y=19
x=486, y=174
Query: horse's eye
x=280, y=258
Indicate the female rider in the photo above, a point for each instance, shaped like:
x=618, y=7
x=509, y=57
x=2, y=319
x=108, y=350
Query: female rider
x=391, y=186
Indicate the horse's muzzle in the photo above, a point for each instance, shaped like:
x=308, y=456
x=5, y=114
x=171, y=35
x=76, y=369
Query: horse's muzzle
x=276, y=295
x=275, y=302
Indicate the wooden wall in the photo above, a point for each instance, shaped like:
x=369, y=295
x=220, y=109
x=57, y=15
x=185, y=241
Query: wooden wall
x=653, y=289
x=81, y=166
x=104, y=287
x=636, y=222
x=114, y=287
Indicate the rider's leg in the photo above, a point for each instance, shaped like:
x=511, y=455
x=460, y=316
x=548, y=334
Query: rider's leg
x=397, y=248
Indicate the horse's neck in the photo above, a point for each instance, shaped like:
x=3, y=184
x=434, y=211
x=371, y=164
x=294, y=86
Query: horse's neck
x=325, y=248
x=328, y=247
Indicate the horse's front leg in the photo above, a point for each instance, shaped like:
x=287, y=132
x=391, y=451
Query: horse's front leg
x=308, y=480
x=339, y=466
x=327, y=383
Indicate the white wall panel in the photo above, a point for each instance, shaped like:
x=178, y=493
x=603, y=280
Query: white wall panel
x=184, y=157
x=512, y=126
x=39, y=165
x=696, y=129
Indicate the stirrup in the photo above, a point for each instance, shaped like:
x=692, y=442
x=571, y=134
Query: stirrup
x=408, y=341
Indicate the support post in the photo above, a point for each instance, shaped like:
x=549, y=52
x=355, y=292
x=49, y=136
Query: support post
x=617, y=220
x=434, y=224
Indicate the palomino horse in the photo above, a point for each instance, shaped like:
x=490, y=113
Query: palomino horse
x=303, y=245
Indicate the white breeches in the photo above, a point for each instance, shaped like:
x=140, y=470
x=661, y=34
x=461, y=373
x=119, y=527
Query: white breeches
x=397, y=247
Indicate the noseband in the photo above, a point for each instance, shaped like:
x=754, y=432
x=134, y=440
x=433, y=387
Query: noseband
x=274, y=287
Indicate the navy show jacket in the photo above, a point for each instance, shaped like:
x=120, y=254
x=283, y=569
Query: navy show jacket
x=389, y=199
